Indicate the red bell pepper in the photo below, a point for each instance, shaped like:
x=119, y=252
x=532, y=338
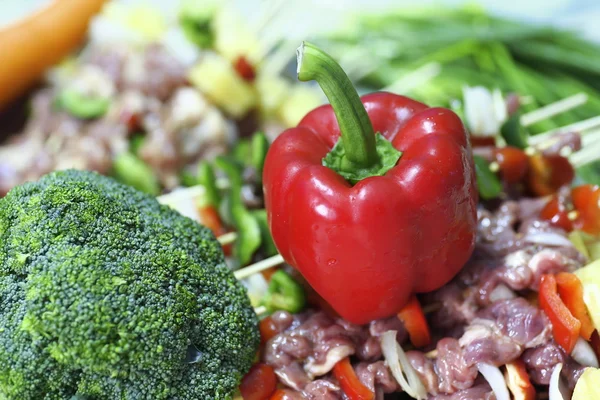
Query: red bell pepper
x=570, y=291
x=349, y=382
x=366, y=230
x=565, y=327
x=415, y=323
x=259, y=383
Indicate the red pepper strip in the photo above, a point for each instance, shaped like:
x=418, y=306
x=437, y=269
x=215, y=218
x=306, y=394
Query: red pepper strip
x=570, y=290
x=586, y=200
x=210, y=218
x=390, y=228
x=259, y=383
x=513, y=164
x=518, y=381
x=548, y=173
x=414, y=320
x=349, y=382
x=565, y=327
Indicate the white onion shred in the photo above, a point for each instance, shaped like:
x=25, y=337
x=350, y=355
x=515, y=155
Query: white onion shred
x=400, y=367
x=584, y=354
x=494, y=377
x=555, y=390
x=548, y=239
x=257, y=287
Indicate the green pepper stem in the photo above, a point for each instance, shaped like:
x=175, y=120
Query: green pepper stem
x=358, y=136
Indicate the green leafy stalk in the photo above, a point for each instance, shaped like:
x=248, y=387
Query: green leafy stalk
x=359, y=153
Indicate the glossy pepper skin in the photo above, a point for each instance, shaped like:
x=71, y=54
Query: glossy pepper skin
x=366, y=248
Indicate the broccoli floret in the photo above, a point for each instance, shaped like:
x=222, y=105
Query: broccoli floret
x=106, y=294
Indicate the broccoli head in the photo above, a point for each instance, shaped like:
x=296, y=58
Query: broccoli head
x=106, y=294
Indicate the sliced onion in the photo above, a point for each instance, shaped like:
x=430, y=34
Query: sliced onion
x=494, y=377
x=257, y=287
x=334, y=356
x=184, y=201
x=584, y=354
x=548, y=239
x=398, y=363
x=555, y=390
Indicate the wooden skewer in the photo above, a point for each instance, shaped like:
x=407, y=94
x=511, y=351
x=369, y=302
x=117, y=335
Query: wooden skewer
x=227, y=238
x=260, y=310
x=578, y=126
x=259, y=266
x=584, y=156
x=552, y=109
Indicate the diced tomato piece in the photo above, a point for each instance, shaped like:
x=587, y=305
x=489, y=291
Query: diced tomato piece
x=259, y=383
x=283, y=394
x=586, y=200
x=132, y=120
x=565, y=327
x=349, y=382
x=570, y=291
x=557, y=214
x=548, y=173
x=415, y=323
x=518, y=381
x=244, y=69
x=513, y=163
x=267, y=329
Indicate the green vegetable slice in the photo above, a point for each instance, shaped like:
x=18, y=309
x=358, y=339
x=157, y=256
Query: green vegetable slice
x=260, y=146
x=82, y=106
x=514, y=133
x=488, y=183
x=284, y=293
x=247, y=227
x=134, y=172
x=206, y=178
x=267, y=240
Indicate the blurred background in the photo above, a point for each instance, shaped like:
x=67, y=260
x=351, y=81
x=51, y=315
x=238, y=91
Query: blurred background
x=158, y=86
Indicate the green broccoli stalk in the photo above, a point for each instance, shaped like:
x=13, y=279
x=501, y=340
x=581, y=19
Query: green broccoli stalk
x=105, y=294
